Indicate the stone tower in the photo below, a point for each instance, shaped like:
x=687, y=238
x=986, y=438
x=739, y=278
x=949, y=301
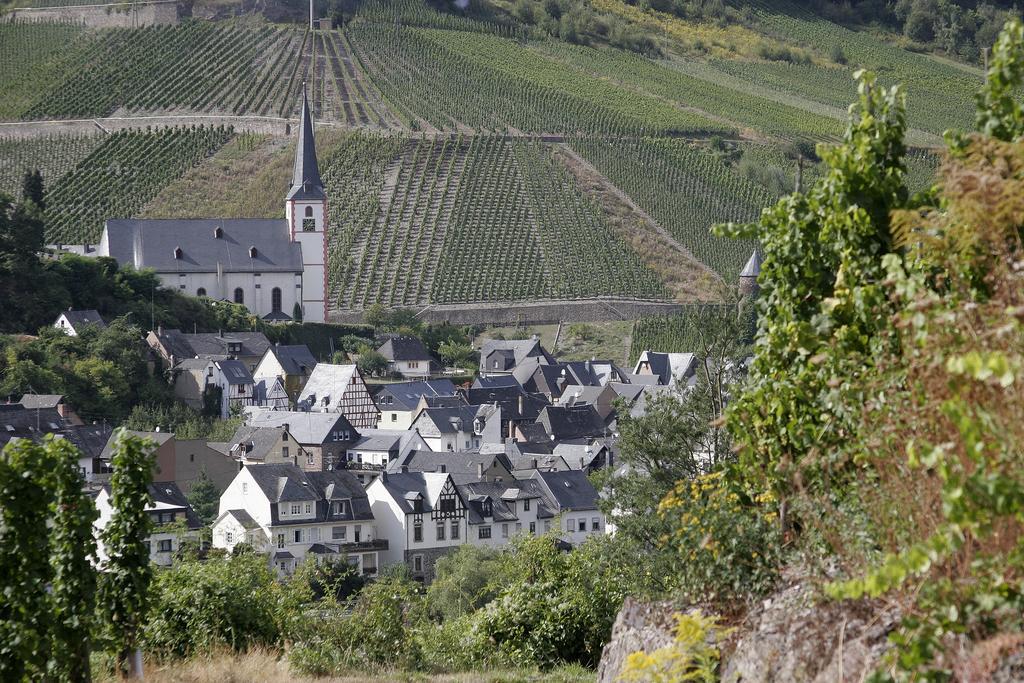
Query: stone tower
x=749, y=274
x=306, y=213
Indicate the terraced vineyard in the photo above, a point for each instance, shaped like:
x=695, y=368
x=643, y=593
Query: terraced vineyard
x=685, y=189
x=674, y=333
x=52, y=155
x=120, y=175
x=453, y=79
x=224, y=67
x=451, y=220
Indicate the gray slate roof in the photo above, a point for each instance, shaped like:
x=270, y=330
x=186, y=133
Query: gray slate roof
x=406, y=395
x=753, y=266
x=151, y=243
x=242, y=517
x=462, y=466
x=285, y=483
x=168, y=493
x=235, y=372
x=404, y=347
x=306, y=427
x=294, y=359
x=33, y=401
x=572, y=422
x=570, y=489
x=306, y=183
x=89, y=316
x=254, y=442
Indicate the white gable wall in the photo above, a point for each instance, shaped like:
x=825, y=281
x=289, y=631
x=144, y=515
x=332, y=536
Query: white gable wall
x=314, y=255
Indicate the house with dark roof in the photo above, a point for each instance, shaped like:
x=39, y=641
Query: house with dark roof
x=563, y=423
x=55, y=401
x=293, y=515
x=408, y=357
x=174, y=521
x=668, y=368
x=575, y=500
x=463, y=467
x=517, y=406
x=72, y=323
x=502, y=356
x=399, y=403
x=376, y=449
x=291, y=364
x=543, y=378
x=461, y=428
x=178, y=461
x=18, y=421
x=251, y=445
x=601, y=397
x=325, y=436
x=174, y=346
x=268, y=265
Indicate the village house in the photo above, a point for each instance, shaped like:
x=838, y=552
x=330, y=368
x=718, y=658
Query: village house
x=543, y=378
x=517, y=406
x=376, y=449
x=294, y=515
x=459, y=429
x=400, y=403
x=667, y=368
x=179, y=461
x=174, y=346
x=17, y=421
x=503, y=356
x=563, y=423
x=72, y=323
x=339, y=389
x=290, y=364
x=222, y=385
x=408, y=357
x=463, y=467
x=270, y=394
x=324, y=437
x=271, y=266
x=602, y=398
x=174, y=521
x=251, y=445
x=52, y=401
x=575, y=500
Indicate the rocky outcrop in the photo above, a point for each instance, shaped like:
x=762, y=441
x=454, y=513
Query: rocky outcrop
x=644, y=626
x=793, y=636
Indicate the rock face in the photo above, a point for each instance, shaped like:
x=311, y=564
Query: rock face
x=791, y=637
x=639, y=626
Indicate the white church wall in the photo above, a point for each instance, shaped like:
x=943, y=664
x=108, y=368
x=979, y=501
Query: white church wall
x=313, y=239
x=257, y=300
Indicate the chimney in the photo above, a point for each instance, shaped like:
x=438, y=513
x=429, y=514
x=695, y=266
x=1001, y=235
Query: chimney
x=533, y=463
x=285, y=427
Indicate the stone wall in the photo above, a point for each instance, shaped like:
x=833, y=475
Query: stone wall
x=120, y=15
x=536, y=313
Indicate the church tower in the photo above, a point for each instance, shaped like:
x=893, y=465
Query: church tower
x=306, y=213
x=750, y=273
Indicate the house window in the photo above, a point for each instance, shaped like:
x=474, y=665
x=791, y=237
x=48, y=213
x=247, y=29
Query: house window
x=191, y=457
x=417, y=532
x=504, y=530
x=595, y=524
x=239, y=296
x=275, y=300
x=447, y=503
x=284, y=452
x=339, y=533
x=358, y=533
x=526, y=505
x=339, y=507
x=519, y=527
x=583, y=524
x=533, y=528
x=440, y=531
x=394, y=417
x=201, y=291
x=485, y=508
x=455, y=531
x=296, y=509
x=314, y=534
x=280, y=540
x=149, y=550
x=484, y=532
x=297, y=536
x=417, y=563
x=309, y=459
x=229, y=537
x=570, y=525
x=164, y=546
x=414, y=364
x=309, y=508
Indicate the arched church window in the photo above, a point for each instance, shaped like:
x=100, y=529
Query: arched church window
x=309, y=212
x=275, y=300
x=201, y=291
x=239, y=296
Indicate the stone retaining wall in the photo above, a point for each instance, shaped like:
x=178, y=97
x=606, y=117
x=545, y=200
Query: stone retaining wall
x=537, y=313
x=121, y=15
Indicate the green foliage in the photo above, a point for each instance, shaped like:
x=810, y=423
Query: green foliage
x=46, y=574
x=729, y=548
x=999, y=113
x=370, y=362
x=823, y=308
x=197, y=607
x=464, y=581
x=204, y=497
x=124, y=591
x=694, y=654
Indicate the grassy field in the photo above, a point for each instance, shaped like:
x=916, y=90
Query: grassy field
x=575, y=341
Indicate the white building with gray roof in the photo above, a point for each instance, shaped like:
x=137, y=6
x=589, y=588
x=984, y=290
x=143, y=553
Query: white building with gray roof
x=267, y=264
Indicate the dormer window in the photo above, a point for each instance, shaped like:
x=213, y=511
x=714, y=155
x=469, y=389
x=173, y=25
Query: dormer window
x=218, y=233
x=252, y=252
x=417, y=505
x=178, y=253
x=485, y=508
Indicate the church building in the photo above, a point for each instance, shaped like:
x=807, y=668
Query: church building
x=268, y=265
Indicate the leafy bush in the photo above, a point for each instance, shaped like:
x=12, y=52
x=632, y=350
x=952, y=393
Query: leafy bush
x=199, y=606
x=729, y=549
x=464, y=581
x=693, y=656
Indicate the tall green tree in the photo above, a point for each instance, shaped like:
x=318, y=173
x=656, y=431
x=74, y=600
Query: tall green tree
x=127, y=573
x=32, y=188
x=204, y=497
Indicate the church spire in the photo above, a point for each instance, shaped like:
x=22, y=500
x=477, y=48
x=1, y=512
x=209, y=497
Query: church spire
x=306, y=183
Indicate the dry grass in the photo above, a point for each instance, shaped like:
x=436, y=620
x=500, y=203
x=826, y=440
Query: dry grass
x=264, y=666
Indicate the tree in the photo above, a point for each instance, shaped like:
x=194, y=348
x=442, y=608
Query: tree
x=32, y=188
x=456, y=355
x=465, y=581
x=297, y=312
x=127, y=573
x=204, y=497
x=371, y=362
